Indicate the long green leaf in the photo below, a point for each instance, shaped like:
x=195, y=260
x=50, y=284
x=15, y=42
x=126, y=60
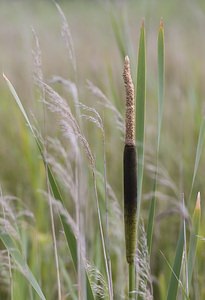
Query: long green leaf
x=20, y=262
x=193, y=240
x=150, y=224
x=160, y=113
x=70, y=237
x=140, y=112
x=198, y=152
x=160, y=79
x=117, y=29
x=18, y=101
x=174, y=279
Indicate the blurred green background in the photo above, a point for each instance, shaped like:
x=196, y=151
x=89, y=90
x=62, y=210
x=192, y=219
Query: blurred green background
x=99, y=60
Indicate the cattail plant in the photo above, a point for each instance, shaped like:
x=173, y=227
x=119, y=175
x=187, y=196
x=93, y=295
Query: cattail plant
x=130, y=177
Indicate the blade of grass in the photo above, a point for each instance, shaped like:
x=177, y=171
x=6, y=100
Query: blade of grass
x=193, y=240
x=160, y=113
x=160, y=79
x=198, y=153
x=151, y=216
x=132, y=287
x=180, y=283
x=140, y=123
x=174, y=279
x=21, y=263
x=140, y=113
x=70, y=287
x=70, y=237
x=117, y=29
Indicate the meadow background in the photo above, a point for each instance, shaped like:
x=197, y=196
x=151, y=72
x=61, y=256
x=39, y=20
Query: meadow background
x=99, y=59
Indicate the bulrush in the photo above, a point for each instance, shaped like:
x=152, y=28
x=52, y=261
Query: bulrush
x=130, y=167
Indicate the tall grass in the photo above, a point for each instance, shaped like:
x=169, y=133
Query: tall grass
x=69, y=242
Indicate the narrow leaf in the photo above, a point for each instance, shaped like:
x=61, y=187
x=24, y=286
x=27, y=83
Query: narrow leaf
x=151, y=216
x=194, y=239
x=160, y=79
x=174, y=280
x=117, y=29
x=160, y=113
x=18, y=101
x=198, y=152
x=140, y=112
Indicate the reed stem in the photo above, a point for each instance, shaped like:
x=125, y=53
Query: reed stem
x=132, y=281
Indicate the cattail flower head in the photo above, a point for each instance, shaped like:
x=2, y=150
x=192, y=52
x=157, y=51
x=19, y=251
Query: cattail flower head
x=130, y=105
x=130, y=168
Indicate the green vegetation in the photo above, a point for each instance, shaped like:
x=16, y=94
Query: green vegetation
x=62, y=113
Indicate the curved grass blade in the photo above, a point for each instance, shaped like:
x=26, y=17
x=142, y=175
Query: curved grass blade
x=174, y=280
x=198, y=153
x=20, y=262
x=160, y=113
x=70, y=237
x=118, y=35
x=18, y=101
x=163, y=292
x=150, y=224
x=160, y=79
x=69, y=283
x=140, y=113
x=193, y=240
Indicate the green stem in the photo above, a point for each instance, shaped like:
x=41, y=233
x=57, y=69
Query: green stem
x=132, y=281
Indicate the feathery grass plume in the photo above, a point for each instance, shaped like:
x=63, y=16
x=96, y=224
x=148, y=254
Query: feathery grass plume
x=105, y=102
x=142, y=262
x=130, y=177
x=66, y=34
x=37, y=58
x=5, y=271
x=70, y=126
x=68, y=122
x=98, y=282
x=69, y=86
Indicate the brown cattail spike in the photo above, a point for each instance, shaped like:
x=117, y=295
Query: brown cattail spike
x=130, y=167
x=130, y=105
x=130, y=201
